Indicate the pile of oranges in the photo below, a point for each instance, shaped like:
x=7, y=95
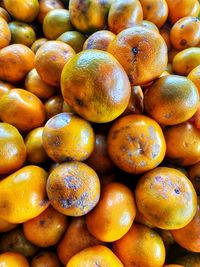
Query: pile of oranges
x=99, y=133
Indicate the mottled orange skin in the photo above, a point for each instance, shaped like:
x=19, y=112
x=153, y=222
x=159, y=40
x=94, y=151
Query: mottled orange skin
x=171, y=99
x=46, y=6
x=96, y=86
x=73, y=38
x=12, y=149
x=188, y=236
x=35, y=85
x=16, y=61
x=5, y=35
x=194, y=76
x=68, y=137
x=99, y=159
x=166, y=197
x=135, y=105
x=4, y=14
x=141, y=246
x=194, y=176
x=44, y=259
x=37, y=44
x=53, y=106
x=34, y=147
x=186, y=60
x=124, y=14
x=13, y=259
x=6, y=226
x=23, y=194
x=136, y=51
x=69, y=246
x=185, y=33
x=46, y=229
x=149, y=25
x=73, y=188
x=95, y=256
x=50, y=60
x=183, y=144
x=165, y=33
x=99, y=40
x=182, y=8
x=155, y=11
x=18, y=102
x=136, y=143
x=114, y=214
x=89, y=16
x=5, y=87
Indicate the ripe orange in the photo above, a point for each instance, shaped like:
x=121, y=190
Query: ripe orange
x=13, y=259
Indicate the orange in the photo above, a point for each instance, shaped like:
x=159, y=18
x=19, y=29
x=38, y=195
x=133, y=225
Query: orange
x=194, y=76
x=44, y=258
x=136, y=143
x=68, y=137
x=23, y=10
x=50, y=60
x=99, y=159
x=23, y=194
x=155, y=11
x=171, y=99
x=16, y=61
x=73, y=38
x=73, y=188
x=166, y=197
x=4, y=14
x=140, y=247
x=188, y=236
x=46, y=229
x=53, y=106
x=124, y=14
x=141, y=52
x=183, y=144
x=194, y=176
x=99, y=40
x=114, y=214
x=56, y=22
x=46, y=6
x=95, y=256
x=13, y=259
x=5, y=35
x=69, y=246
x=35, y=85
x=89, y=16
x=5, y=87
x=185, y=33
x=182, y=8
x=12, y=147
x=18, y=102
x=37, y=43
x=95, y=85
x=186, y=60
x=34, y=146
x=6, y=226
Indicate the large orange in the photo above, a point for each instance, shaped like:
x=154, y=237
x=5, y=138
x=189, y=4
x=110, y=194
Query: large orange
x=166, y=197
x=142, y=53
x=95, y=85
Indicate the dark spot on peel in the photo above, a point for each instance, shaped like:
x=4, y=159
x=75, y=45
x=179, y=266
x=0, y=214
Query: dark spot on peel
x=42, y=222
x=44, y=202
x=182, y=26
x=79, y=102
x=177, y=190
x=53, y=58
x=148, y=7
x=135, y=50
x=66, y=203
x=183, y=42
x=68, y=159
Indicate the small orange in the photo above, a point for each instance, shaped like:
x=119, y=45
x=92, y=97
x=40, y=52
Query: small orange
x=113, y=215
x=166, y=197
x=194, y=76
x=69, y=246
x=13, y=259
x=73, y=38
x=45, y=259
x=47, y=5
x=68, y=137
x=141, y=52
x=140, y=247
x=5, y=35
x=183, y=144
x=99, y=40
x=73, y=188
x=46, y=229
x=50, y=60
x=95, y=256
x=185, y=33
x=136, y=143
x=124, y=14
x=53, y=106
x=37, y=44
x=155, y=11
x=171, y=99
x=194, y=176
x=95, y=85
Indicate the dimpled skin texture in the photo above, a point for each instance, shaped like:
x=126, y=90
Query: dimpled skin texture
x=95, y=85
